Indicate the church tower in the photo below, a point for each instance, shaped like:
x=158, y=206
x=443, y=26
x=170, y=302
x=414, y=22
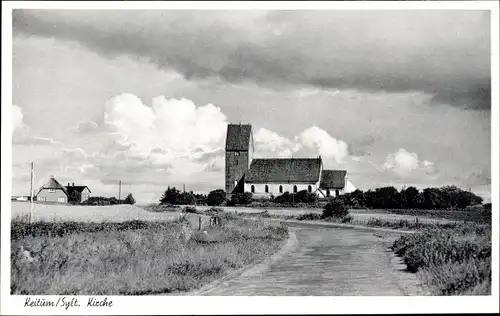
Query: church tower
x=239, y=154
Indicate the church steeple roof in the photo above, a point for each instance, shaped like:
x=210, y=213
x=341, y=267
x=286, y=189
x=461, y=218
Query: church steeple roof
x=238, y=136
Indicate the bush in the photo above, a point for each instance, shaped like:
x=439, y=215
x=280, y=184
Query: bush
x=216, y=197
x=299, y=197
x=335, y=208
x=347, y=219
x=100, y=200
x=173, y=196
x=308, y=217
x=241, y=198
x=452, y=261
x=213, y=211
x=129, y=199
x=305, y=197
x=190, y=209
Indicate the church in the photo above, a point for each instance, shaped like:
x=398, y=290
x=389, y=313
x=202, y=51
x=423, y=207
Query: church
x=265, y=177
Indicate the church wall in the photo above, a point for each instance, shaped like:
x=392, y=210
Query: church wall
x=274, y=187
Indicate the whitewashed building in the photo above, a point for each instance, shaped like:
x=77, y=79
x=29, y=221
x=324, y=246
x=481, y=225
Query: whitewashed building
x=265, y=177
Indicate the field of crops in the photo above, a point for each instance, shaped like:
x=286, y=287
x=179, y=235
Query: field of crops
x=111, y=213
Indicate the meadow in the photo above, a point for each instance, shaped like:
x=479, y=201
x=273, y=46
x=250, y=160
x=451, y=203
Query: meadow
x=135, y=257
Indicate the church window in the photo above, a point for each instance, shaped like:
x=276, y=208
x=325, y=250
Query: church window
x=294, y=189
x=309, y=189
x=267, y=188
x=252, y=188
x=281, y=189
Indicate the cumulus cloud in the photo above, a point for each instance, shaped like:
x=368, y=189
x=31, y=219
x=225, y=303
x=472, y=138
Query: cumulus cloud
x=173, y=139
x=443, y=53
x=271, y=144
x=404, y=163
x=326, y=145
x=311, y=142
x=178, y=126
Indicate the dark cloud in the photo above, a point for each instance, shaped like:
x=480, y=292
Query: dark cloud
x=443, y=53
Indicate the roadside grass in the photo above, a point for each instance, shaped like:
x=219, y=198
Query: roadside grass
x=478, y=216
x=450, y=260
x=134, y=257
x=161, y=208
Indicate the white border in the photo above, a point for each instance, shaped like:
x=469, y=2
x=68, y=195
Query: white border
x=247, y=305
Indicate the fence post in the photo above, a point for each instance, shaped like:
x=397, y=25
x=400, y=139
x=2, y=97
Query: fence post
x=199, y=222
x=416, y=221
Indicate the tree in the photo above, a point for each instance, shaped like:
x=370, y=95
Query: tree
x=411, y=198
x=359, y=198
x=75, y=197
x=216, y=197
x=171, y=196
x=129, y=199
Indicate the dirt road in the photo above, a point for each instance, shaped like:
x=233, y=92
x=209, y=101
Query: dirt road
x=326, y=261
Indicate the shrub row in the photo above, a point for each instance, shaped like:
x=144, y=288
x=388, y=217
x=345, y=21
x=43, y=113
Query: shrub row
x=452, y=260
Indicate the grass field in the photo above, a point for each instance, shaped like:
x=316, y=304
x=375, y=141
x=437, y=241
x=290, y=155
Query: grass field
x=365, y=215
x=132, y=257
x=111, y=213
x=450, y=261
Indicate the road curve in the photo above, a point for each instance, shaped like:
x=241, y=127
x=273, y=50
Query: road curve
x=326, y=261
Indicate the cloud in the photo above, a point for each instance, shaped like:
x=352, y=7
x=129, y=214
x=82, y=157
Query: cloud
x=327, y=146
x=443, y=53
x=477, y=178
x=172, y=140
x=271, y=144
x=21, y=132
x=86, y=126
x=361, y=146
x=404, y=164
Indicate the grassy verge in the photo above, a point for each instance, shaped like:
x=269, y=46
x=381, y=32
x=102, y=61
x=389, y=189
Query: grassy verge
x=450, y=261
x=133, y=258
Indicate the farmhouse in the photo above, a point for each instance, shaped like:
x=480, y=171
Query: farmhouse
x=53, y=191
x=274, y=176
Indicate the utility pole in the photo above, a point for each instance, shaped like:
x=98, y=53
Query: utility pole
x=31, y=191
x=120, y=192
x=184, y=188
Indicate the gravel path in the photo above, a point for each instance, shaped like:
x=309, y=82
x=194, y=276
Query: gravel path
x=327, y=261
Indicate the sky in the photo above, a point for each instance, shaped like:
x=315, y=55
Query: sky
x=394, y=97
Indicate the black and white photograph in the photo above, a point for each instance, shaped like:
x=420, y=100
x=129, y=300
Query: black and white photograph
x=170, y=152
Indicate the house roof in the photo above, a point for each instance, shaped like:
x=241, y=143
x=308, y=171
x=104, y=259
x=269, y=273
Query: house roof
x=76, y=188
x=53, y=184
x=238, y=136
x=291, y=170
x=333, y=179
